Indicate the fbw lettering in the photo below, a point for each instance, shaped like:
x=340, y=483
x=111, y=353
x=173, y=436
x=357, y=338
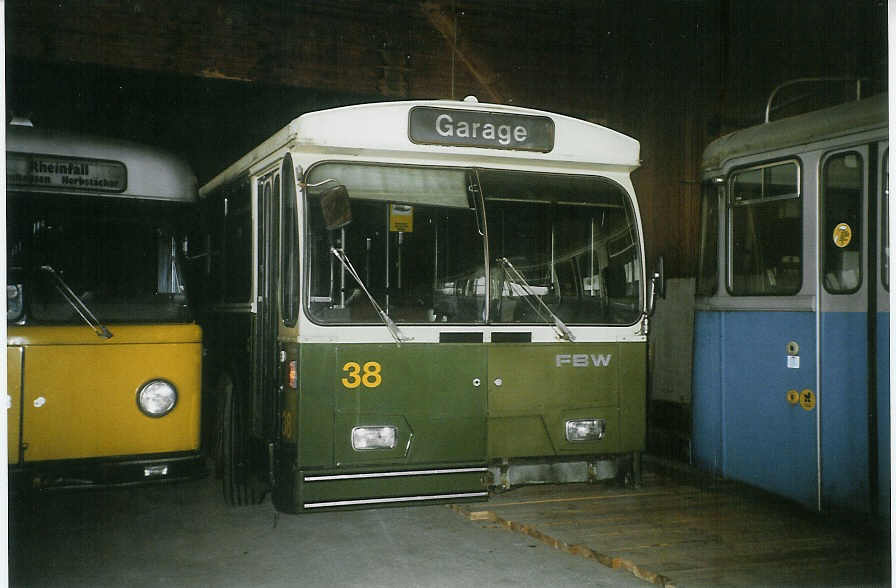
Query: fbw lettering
x=583, y=360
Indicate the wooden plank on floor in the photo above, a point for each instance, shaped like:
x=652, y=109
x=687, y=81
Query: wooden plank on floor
x=691, y=533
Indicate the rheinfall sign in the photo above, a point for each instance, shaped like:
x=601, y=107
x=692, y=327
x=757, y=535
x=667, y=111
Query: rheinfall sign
x=47, y=171
x=476, y=128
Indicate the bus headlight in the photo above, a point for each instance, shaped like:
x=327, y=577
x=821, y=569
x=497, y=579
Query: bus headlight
x=156, y=398
x=586, y=430
x=365, y=438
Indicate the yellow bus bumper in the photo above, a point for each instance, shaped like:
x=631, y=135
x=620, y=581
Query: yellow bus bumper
x=73, y=395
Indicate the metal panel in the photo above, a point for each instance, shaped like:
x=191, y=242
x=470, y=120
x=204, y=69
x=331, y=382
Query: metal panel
x=844, y=410
x=80, y=400
x=844, y=395
x=534, y=388
x=14, y=365
x=707, y=395
x=768, y=440
x=884, y=446
x=433, y=397
x=427, y=392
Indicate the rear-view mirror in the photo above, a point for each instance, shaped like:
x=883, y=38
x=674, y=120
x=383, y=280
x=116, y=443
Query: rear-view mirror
x=336, y=207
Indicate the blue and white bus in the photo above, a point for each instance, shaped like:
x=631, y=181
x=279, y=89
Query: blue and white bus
x=791, y=346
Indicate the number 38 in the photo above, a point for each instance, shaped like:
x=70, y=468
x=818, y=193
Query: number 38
x=368, y=375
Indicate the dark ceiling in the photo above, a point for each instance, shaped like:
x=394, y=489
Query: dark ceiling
x=212, y=79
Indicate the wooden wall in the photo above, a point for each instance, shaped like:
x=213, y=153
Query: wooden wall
x=210, y=79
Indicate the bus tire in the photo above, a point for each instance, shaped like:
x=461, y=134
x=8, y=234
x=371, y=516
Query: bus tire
x=232, y=456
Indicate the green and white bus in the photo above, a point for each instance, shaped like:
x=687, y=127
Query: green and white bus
x=409, y=302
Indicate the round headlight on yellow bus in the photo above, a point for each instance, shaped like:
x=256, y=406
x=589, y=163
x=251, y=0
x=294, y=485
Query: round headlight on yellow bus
x=156, y=398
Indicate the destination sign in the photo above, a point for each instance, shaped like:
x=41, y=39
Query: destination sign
x=49, y=171
x=475, y=128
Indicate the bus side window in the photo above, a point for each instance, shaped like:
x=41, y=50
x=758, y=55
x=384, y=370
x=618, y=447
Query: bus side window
x=289, y=244
x=198, y=254
x=168, y=277
x=15, y=307
x=841, y=229
x=230, y=278
x=885, y=222
x=238, y=245
x=765, y=235
x=708, y=248
x=216, y=268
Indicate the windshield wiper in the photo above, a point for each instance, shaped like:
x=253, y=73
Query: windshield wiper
x=559, y=326
x=390, y=324
x=82, y=309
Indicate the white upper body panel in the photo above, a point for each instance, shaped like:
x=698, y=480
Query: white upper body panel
x=150, y=173
x=380, y=131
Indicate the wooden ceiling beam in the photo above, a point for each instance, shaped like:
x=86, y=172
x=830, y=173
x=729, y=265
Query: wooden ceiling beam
x=443, y=21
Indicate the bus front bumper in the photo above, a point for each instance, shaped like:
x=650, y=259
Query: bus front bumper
x=98, y=473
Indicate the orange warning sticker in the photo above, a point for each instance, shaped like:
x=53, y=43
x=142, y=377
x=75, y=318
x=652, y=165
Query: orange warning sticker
x=807, y=399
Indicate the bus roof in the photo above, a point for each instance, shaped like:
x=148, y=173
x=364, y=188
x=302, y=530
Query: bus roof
x=384, y=128
x=100, y=166
x=803, y=129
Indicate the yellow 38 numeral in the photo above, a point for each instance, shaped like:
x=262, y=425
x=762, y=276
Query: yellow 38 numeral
x=369, y=374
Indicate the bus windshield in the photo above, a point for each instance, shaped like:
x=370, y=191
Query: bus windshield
x=418, y=243
x=573, y=240
x=413, y=240
x=119, y=256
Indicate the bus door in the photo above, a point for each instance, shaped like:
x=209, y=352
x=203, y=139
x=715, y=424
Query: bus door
x=264, y=355
x=847, y=293
x=882, y=352
x=765, y=359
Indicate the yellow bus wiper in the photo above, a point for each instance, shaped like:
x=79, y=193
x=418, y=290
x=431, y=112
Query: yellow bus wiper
x=390, y=324
x=559, y=326
x=83, y=311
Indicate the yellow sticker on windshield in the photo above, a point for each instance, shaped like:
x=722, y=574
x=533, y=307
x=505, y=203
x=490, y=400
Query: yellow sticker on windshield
x=401, y=218
x=842, y=235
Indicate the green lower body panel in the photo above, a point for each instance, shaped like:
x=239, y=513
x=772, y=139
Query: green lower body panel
x=320, y=491
x=381, y=425
x=377, y=424
x=543, y=435
x=535, y=390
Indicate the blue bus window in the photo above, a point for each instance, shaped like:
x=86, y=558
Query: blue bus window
x=841, y=229
x=708, y=260
x=885, y=223
x=765, y=231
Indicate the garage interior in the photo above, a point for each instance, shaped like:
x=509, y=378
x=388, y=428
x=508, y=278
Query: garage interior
x=210, y=80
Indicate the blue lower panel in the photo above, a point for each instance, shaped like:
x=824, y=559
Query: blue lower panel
x=745, y=428
x=707, y=392
x=844, y=411
x=883, y=411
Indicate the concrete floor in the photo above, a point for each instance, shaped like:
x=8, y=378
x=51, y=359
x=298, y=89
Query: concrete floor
x=183, y=535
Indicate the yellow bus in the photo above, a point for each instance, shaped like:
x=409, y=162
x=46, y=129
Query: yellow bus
x=103, y=349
